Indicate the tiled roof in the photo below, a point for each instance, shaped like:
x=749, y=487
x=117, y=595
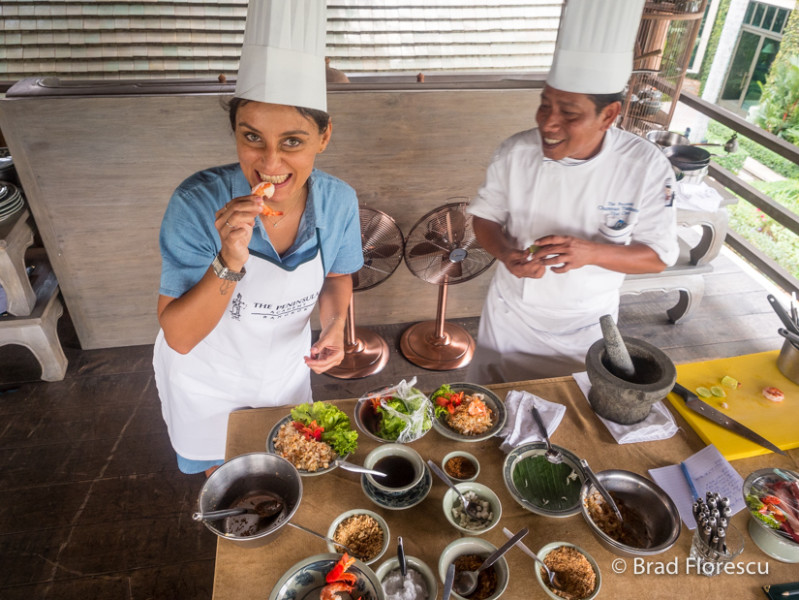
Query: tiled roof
x=202, y=38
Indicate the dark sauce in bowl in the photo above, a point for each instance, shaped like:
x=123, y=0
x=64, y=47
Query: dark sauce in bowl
x=398, y=469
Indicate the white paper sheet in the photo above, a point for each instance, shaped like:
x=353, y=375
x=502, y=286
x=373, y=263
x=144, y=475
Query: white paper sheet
x=710, y=472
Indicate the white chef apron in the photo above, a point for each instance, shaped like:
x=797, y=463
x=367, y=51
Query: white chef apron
x=252, y=358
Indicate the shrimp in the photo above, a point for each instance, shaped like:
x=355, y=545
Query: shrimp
x=338, y=575
x=334, y=591
x=265, y=188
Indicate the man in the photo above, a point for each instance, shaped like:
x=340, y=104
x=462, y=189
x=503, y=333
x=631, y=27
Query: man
x=570, y=207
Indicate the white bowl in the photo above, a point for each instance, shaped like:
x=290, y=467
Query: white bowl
x=481, y=547
x=417, y=564
x=331, y=532
x=470, y=457
x=306, y=578
x=483, y=492
x=540, y=576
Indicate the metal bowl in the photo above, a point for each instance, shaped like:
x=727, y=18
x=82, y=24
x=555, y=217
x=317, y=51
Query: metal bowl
x=306, y=578
x=667, y=138
x=687, y=158
x=648, y=500
x=258, y=471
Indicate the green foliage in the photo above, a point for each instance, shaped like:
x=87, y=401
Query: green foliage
x=778, y=111
x=717, y=133
x=778, y=242
x=713, y=43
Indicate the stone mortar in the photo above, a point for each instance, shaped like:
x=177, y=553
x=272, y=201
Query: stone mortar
x=628, y=401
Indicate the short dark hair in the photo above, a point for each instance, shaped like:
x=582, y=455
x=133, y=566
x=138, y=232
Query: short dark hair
x=602, y=100
x=320, y=117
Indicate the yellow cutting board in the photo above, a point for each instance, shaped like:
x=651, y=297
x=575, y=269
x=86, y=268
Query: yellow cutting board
x=778, y=422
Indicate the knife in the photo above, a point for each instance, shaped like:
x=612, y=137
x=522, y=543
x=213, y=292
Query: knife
x=718, y=417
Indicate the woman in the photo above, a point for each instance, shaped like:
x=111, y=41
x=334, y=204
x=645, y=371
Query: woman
x=239, y=282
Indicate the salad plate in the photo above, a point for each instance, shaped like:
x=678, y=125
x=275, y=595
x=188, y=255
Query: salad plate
x=468, y=391
x=325, y=413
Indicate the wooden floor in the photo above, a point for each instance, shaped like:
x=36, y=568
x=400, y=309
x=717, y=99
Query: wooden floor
x=93, y=506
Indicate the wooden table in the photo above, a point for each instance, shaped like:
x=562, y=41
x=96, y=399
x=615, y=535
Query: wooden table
x=251, y=573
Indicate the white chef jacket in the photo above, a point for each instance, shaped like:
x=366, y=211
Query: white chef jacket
x=623, y=194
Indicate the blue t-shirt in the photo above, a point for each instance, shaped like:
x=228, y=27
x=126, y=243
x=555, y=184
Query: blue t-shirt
x=189, y=241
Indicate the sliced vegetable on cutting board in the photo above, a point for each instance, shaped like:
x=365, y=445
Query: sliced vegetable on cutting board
x=746, y=403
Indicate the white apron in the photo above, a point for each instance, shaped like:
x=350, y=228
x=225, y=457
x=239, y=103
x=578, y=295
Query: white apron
x=252, y=358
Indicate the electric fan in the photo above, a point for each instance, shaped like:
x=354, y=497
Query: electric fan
x=365, y=352
x=442, y=249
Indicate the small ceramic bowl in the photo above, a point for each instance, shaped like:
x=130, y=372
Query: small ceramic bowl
x=399, y=502
x=540, y=576
x=451, y=502
x=404, y=466
x=480, y=547
x=413, y=563
x=463, y=456
x=331, y=533
x=306, y=578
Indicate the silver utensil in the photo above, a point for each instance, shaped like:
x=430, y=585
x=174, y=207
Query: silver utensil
x=782, y=314
x=471, y=509
x=602, y=489
x=551, y=575
x=789, y=335
x=348, y=466
x=551, y=454
x=448, y=580
x=267, y=508
x=403, y=565
x=466, y=581
x=324, y=537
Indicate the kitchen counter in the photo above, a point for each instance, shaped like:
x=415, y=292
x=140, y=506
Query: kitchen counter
x=244, y=573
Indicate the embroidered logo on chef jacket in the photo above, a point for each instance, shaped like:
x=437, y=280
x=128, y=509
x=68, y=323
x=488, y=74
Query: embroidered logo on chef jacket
x=669, y=192
x=617, y=221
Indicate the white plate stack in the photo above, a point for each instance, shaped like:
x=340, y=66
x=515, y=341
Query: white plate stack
x=10, y=200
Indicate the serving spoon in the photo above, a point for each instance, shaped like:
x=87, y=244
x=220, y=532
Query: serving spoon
x=471, y=509
x=552, y=455
x=554, y=583
x=348, y=466
x=466, y=581
x=264, y=509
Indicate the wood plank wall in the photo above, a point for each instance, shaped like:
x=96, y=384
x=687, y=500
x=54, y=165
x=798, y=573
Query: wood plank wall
x=98, y=172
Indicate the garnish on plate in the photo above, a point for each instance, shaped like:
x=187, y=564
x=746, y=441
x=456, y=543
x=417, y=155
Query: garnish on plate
x=465, y=413
x=326, y=423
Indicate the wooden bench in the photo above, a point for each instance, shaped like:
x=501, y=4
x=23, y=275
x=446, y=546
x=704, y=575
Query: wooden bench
x=687, y=274
x=38, y=331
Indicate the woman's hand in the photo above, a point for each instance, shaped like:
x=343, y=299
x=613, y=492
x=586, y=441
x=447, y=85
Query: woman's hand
x=328, y=351
x=235, y=222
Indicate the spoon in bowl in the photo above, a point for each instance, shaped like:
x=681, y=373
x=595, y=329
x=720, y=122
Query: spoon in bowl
x=269, y=507
x=551, y=454
x=403, y=565
x=602, y=490
x=466, y=581
x=551, y=575
x=471, y=509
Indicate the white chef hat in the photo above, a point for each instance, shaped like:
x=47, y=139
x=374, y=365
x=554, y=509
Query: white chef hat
x=283, y=56
x=594, y=49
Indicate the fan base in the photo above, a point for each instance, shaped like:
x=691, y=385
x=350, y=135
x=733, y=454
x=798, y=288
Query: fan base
x=366, y=357
x=420, y=345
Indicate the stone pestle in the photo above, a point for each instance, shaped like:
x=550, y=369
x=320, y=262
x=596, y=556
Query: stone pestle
x=620, y=361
